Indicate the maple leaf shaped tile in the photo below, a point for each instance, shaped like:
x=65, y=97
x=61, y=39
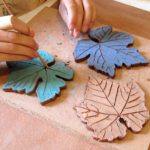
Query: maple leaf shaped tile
x=29, y=75
x=110, y=107
x=107, y=49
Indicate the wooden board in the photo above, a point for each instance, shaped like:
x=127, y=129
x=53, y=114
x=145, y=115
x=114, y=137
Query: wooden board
x=52, y=36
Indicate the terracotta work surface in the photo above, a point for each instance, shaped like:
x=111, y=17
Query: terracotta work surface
x=53, y=37
x=20, y=131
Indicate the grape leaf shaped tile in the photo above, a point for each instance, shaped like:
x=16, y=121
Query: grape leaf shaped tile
x=107, y=49
x=30, y=75
x=110, y=107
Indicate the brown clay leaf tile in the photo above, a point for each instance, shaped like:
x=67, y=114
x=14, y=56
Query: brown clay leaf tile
x=110, y=107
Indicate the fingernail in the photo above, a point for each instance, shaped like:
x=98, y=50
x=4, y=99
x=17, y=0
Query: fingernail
x=36, y=54
x=71, y=27
x=71, y=32
x=76, y=34
x=36, y=46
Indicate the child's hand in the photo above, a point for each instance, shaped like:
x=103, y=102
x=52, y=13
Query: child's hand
x=79, y=15
x=17, y=44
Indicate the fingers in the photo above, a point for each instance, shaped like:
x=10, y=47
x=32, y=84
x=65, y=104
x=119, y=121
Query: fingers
x=69, y=10
x=11, y=22
x=17, y=38
x=17, y=50
x=93, y=15
x=63, y=13
x=80, y=15
x=21, y=27
x=79, y=19
x=8, y=57
x=18, y=44
x=89, y=15
x=72, y=15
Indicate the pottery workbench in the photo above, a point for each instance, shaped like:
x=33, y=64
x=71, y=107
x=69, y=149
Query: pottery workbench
x=60, y=113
